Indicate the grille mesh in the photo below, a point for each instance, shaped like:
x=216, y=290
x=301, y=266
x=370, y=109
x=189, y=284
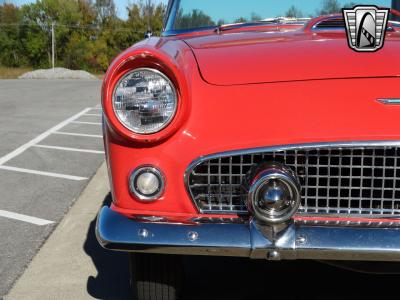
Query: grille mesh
x=335, y=181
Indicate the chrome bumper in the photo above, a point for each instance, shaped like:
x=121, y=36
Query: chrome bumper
x=117, y=232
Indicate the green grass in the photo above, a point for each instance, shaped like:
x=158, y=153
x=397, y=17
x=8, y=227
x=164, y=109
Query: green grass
x=12, y=73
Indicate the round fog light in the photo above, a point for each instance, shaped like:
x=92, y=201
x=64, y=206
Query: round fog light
x=146, y=183
x=274, y=193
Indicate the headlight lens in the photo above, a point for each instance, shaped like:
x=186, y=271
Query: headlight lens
x=145, y=101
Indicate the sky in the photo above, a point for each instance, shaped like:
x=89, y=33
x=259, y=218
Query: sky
x=231, y=9
x=121, y=5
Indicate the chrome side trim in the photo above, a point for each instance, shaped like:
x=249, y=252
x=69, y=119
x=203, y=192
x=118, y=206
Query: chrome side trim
x=117, y=232
x=211, y=220
x=326, y=20
x=390, y=101
x=350, y=223
x=307, y=146
x=341, y=28
x=351, y=216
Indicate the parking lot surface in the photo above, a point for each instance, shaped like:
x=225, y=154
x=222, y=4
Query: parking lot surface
x=51, y=145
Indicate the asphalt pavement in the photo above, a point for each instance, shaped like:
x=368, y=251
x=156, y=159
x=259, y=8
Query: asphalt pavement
x=50, y=147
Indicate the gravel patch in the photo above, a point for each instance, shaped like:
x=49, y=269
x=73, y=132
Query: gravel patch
x=58, y=73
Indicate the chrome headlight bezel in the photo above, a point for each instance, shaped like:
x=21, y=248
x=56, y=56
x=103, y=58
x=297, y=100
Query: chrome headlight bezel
x=170, y=118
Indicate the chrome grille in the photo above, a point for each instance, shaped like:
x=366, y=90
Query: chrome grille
x=336, y=179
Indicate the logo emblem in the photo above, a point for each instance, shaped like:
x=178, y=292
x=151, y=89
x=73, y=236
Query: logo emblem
x=366, y=27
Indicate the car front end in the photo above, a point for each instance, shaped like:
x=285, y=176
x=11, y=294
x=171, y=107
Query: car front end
x=273, y=143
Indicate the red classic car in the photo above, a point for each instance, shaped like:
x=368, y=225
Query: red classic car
x=252, y=129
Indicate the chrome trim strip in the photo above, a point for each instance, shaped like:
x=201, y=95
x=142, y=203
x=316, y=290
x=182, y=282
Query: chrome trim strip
x=213, y=220
x=315, y=26
x=307, y=146
x=390, y=101
x=351, y=215
x=349, y=223
x=325, y=20
x=344, y=243
x=117, y=232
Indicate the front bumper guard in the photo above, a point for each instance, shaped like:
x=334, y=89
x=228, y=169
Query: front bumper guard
x=117, y=232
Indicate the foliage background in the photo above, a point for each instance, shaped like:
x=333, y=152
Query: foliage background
x=88, y=33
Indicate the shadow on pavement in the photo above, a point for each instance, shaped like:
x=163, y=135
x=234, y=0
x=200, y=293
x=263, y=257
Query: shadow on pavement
x=235, y=279
x=112, y=280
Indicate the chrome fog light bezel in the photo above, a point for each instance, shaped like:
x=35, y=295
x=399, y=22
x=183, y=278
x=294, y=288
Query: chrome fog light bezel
x=264, y=175
x=132, y=182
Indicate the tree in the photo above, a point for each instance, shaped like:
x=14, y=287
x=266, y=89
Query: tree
x=255, y=17
x=10, y=45
x=241, y=20
x=88, y=12
x=193, y=19
x=144, y=17
x=221, y=22
x=350, y=5
x=105, y=10
x=39, y=18
x=330, y=7
x=294, y=12
x=88, y=32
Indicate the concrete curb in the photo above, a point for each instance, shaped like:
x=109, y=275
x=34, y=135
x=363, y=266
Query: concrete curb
x=61, y=268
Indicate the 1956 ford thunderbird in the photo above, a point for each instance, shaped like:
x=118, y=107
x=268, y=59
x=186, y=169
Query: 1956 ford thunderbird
x=260, y=129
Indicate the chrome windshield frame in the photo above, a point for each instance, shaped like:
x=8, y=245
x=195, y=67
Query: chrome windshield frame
x=171, y=12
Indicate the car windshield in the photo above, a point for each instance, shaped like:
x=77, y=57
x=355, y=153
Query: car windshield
x=186, y=15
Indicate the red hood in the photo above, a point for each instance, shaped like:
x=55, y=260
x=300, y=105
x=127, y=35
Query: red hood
x=255, y=57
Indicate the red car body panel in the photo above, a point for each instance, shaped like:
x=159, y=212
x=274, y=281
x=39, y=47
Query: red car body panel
x=260, y=57
x=247, y=90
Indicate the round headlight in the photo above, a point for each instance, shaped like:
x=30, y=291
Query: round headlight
x=145, y=101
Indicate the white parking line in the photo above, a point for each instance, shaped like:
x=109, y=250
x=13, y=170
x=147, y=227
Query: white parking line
x=24, y=218
x=69, y=149
x=49, y=174
x=93, y=115
x=78, y=134
x=88, y=123
x=41, y=137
